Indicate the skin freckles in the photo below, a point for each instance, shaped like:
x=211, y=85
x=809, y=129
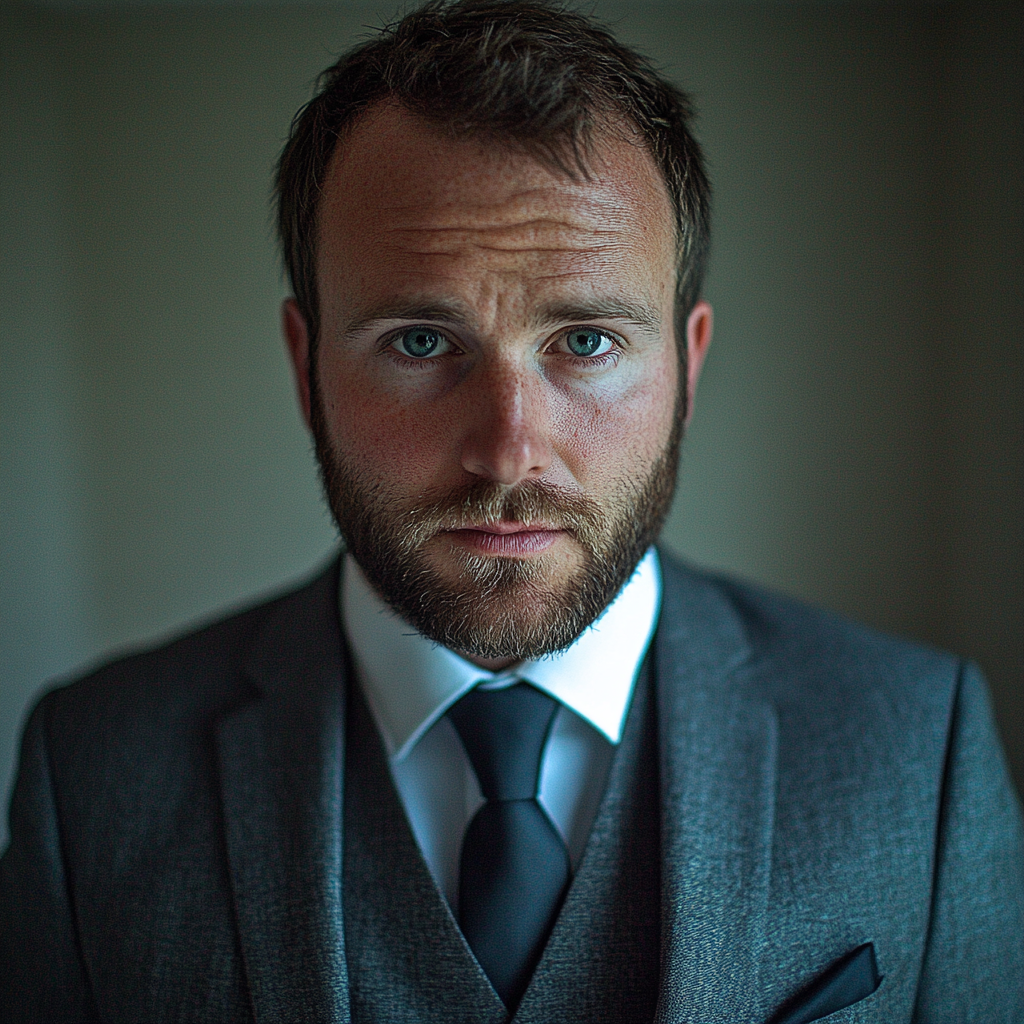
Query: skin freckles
x=501, y=257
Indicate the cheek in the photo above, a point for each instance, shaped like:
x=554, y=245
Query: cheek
x=377, y=433
x=617, y=431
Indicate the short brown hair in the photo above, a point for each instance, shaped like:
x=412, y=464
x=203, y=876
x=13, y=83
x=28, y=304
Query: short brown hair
x=527, y=73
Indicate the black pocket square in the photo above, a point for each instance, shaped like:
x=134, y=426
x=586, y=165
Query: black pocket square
x=851, y=978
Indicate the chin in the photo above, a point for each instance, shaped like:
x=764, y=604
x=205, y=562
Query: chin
x=501, y=607
x=542, y=576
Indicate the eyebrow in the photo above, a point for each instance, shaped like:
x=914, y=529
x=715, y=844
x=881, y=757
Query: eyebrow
x=639, y=314
x=454, y=312
x=449, y=312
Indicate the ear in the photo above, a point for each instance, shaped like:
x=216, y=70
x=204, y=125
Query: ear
x=296, y=334
x=698, y=338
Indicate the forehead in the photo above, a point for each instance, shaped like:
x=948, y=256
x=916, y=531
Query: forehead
x=407, y=204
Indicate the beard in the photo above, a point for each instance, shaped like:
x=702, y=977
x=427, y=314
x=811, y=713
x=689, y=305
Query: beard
x=488, y=606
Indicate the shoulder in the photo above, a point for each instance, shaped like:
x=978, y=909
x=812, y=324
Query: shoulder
x=777, y=626
x=181, y=681
x=812, y=665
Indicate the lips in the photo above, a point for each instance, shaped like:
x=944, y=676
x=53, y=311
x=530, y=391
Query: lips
x=507, y=538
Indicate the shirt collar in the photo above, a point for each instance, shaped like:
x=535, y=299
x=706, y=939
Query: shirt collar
x=410, y=682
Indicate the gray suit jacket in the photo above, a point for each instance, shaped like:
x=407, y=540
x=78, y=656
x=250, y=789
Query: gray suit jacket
x=176, y=831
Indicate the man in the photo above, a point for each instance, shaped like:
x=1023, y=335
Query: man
x=505, y=760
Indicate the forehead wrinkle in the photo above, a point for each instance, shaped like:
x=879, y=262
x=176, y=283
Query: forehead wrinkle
x=584, y=266
x=456, y=254
x=586, y=214
x=534, y=223
x=521, y=206
x=536, y=235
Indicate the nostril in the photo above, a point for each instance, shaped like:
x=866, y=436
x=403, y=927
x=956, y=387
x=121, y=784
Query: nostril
x=506, y=457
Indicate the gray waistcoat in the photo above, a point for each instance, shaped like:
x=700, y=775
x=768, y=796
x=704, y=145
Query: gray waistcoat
x=407, y=959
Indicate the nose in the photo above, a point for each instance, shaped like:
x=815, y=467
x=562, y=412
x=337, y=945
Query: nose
x=507, y=438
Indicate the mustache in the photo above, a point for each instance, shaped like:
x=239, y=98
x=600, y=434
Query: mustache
x=485, y=502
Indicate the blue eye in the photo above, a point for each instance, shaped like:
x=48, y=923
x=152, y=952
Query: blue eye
x=419, y=342
x=585, y=341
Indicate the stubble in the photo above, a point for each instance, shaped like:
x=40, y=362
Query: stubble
x=490, y=606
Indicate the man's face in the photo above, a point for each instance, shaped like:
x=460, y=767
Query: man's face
x=496, y=379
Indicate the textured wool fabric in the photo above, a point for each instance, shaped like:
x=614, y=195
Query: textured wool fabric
x=808, y=770
x=407, y=960
x=176, y=825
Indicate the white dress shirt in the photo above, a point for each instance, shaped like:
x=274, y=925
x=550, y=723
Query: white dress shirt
x=410, y=682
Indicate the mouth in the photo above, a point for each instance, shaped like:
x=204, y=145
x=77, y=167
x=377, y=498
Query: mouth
x=506, y=538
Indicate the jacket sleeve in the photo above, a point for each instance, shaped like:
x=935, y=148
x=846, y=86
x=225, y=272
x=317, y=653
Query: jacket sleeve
x=973, y=970
x=41, y=972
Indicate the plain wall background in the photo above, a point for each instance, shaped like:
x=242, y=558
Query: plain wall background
x=857, y=438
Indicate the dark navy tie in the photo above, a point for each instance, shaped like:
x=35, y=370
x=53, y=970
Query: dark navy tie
x=515, y=867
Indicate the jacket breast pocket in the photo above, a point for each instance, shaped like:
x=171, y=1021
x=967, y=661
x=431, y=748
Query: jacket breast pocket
x=839, y=994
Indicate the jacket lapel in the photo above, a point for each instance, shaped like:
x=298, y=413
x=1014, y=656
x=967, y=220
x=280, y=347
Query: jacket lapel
x=281, y=758
x=718, y=762
x=281, y=763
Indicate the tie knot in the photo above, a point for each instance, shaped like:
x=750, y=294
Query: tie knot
x=504, y=732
